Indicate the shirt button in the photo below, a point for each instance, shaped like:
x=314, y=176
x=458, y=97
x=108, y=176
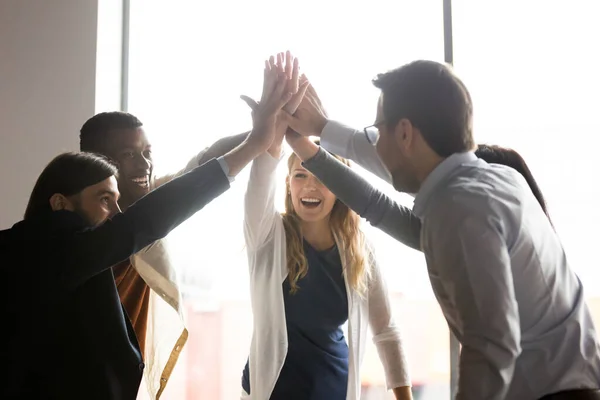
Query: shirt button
x=141, y=366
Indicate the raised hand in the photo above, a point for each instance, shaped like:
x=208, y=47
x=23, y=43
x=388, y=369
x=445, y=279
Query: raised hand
x=276, y=93
x=285, y=65
x=301, y=145
x=310, y=117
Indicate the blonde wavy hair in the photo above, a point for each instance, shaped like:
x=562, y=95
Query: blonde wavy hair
x=345, y=226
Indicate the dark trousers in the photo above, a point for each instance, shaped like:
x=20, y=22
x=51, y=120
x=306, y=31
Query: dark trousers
x=580, y=394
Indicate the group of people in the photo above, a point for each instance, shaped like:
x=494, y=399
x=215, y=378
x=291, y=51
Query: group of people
x=101, y=315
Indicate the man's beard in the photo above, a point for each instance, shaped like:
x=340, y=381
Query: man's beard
x=406, y=182
x=89, y=222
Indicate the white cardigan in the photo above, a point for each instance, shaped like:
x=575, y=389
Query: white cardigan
x=266, y=246
x=166, y=332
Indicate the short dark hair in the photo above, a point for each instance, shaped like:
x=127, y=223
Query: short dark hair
x=93, y=133
x=510, y=158
x=67, y=174
x=434, y=100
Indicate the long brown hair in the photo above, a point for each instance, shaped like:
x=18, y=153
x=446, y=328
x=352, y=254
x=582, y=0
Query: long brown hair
x=345, y=226
x=67, y=174
x=501, y=155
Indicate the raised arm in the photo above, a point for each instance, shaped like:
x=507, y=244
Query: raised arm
x=352, y=144
x=260, y=214
x=386, y=335
x=216, y=150
x=151, y=218
x=156, y=214
x=311, y=120
x=477, y=275
x=357, y=193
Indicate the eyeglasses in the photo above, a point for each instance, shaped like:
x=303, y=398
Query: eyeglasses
x=372, y=132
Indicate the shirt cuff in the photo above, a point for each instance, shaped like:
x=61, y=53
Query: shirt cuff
x=336, y=137
x=225, y=168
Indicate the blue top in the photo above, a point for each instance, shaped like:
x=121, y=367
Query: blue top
x=316, y=365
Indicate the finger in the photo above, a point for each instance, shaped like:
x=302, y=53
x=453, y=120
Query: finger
x=282, y=96
x=294, y=77
x=296, y=99
x=313, y=92
x=266, y=76
x=270, y=104
x=285, y=97
x=280, y=63
x=289, y=64
x=302, y=90
x=253, y=104
x=303, y=78
x=269, y=82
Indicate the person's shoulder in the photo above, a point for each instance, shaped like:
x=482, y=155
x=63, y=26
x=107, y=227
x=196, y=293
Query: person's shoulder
x=471, y=190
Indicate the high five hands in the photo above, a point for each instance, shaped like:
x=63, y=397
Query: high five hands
x=281, y=90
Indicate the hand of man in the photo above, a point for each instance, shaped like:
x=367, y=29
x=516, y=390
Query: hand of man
x=310, y=118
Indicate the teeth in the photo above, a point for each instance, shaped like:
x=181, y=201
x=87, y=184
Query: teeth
x=310, y=200
x=140, y=180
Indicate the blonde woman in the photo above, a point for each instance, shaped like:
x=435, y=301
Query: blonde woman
x=310, y=273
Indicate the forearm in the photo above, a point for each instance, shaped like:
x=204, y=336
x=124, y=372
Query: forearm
x=349, y=143
x=242, y=155
x=368, y=202
x=147, y=220
x=222, y=147
x=259, y=201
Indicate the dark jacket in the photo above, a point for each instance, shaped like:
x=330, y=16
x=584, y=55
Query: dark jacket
x=65, y=334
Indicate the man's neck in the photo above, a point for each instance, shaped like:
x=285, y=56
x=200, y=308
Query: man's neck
x=426, y=165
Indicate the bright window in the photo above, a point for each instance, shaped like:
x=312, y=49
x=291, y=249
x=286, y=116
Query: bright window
x=532, y=70
x=189, y=62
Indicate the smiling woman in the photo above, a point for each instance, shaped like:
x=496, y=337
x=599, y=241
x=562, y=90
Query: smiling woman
x=186, y=88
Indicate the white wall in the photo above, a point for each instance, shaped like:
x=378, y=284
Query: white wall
x=47, y=89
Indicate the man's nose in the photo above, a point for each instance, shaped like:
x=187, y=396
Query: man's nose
x=115, y=209
x=143, y=163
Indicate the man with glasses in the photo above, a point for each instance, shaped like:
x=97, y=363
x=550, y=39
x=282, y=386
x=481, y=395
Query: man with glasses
x=495, y=263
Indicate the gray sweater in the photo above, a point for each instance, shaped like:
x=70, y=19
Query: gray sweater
x=357, y=193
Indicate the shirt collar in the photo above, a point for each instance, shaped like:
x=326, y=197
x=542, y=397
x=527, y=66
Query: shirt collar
x=436, y=177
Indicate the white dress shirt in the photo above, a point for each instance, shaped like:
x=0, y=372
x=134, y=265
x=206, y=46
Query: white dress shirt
x=501, y=277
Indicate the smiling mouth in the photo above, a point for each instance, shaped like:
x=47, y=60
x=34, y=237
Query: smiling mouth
x=143, y=181
x=310, y=202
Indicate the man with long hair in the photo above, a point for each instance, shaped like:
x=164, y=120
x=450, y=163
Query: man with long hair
x=66, y=334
